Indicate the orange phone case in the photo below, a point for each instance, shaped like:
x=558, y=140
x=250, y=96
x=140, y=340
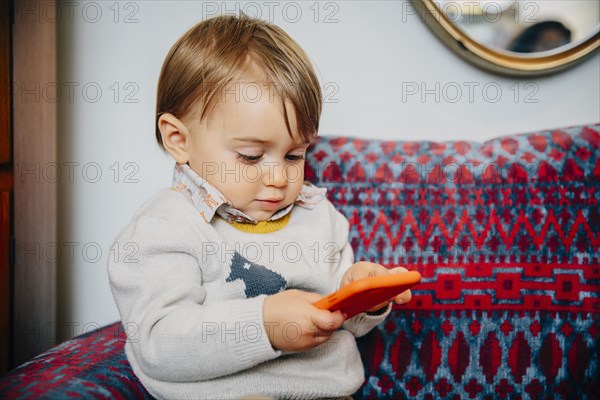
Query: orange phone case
x=365, y=293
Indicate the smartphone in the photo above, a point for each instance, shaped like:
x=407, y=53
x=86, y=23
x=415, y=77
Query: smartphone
x=366, y=293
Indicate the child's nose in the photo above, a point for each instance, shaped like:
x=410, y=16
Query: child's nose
x=275, y=175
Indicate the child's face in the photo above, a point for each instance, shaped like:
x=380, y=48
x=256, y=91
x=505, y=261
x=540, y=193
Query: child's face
x=245, y=151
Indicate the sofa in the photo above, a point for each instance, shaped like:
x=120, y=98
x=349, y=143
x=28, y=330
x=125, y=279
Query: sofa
x=506, y=236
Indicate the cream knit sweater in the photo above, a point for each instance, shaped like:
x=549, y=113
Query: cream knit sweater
x=191, y=299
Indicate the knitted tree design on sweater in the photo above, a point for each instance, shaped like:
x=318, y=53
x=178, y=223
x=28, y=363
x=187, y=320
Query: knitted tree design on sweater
x=258, y=279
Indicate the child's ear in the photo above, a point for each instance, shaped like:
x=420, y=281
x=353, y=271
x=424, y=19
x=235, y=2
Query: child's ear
x=175, y=137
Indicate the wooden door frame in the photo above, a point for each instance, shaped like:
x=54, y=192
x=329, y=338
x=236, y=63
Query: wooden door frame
x=34, y=118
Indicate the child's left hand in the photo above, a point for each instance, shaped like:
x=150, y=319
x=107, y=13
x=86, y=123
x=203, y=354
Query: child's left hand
x=365, y=269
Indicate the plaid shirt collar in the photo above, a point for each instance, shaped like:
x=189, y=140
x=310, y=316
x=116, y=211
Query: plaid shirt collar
x=208, y=200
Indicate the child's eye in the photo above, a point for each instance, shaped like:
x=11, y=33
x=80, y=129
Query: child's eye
x=295, y=157
x=247, y=158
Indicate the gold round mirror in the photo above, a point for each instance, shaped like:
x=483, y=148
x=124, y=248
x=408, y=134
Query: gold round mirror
x=522, y=38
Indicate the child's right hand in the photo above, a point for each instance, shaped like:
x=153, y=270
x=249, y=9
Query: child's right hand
x=293, y=323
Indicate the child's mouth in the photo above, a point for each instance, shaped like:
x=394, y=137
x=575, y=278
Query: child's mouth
x=270, y=204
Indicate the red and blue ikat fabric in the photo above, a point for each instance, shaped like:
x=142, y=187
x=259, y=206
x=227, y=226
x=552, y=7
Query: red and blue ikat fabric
x=90, y=366
x=505, y=234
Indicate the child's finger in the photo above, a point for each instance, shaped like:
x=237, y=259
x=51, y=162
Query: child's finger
x=362, y=269
x=380, y=306
x=404, y=297
x=378, y=270
x=325, y=322
x=309, y=297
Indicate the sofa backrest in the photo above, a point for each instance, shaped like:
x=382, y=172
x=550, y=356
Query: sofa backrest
x=506, y=236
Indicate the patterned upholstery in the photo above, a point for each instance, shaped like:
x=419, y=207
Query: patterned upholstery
x=90, y=366
x=506, y=234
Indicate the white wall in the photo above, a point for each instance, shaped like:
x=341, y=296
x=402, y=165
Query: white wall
x=373, y=51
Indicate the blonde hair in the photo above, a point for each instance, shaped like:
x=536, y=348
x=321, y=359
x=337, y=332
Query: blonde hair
x=217, y=50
